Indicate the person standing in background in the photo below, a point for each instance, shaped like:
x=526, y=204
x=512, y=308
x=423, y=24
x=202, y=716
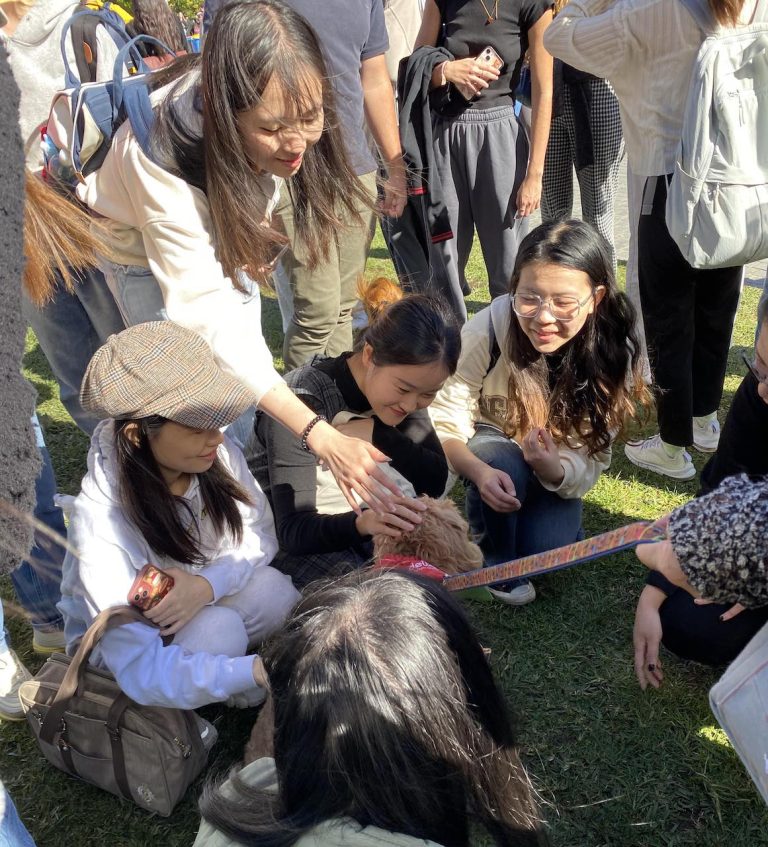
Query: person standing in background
x=323, y=297
x=647, y=50
x=490, y=174
x=585, y=135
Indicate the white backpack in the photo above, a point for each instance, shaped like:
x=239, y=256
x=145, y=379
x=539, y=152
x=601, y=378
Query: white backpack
x=717, y=201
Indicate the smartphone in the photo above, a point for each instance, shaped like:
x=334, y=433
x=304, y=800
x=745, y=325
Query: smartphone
x=490, y=57
x=149, y=588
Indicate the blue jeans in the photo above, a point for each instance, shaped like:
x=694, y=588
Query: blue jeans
x=37, y=580
x=13, y=833
x=70, y=329
x=544, y=521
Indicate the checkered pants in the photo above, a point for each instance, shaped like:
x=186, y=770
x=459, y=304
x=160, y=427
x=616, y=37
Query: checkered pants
x=597, y=182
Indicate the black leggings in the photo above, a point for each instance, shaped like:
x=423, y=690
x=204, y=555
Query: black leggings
x=697, y=633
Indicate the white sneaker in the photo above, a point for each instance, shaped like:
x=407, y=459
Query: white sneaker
x=706, y=436
x=12, y=674
x=651, y=455
x=517, y=596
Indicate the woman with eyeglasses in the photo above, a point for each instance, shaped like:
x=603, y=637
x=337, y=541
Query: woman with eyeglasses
x=254, y=116
x=548, y=377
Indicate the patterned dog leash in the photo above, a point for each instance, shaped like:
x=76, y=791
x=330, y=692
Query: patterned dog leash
x=614, y=541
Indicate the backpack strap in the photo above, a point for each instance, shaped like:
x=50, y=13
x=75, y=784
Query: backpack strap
x=699, y=10
x=84, y=46
x=131, y=96
x=108, y=19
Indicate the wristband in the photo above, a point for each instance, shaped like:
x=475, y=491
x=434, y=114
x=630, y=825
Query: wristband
x=443, y=80
x=308, y=428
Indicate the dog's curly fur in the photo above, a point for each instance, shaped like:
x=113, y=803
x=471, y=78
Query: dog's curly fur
x=442, y=539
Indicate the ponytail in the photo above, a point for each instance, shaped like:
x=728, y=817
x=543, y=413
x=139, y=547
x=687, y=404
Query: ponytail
x=408, y=329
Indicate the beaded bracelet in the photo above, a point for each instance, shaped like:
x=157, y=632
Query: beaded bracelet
x=308, y=428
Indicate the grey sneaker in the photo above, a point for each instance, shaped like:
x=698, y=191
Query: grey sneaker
x=706, y=436
x=651, y=455
x=12, y=674
x=517, y=596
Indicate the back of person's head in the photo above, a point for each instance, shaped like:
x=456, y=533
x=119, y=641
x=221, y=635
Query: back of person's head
x=599, y=383
x=407, y=329
x=155, y=18
x=386, y=712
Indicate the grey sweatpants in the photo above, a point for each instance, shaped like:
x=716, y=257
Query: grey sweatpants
x=481, y=157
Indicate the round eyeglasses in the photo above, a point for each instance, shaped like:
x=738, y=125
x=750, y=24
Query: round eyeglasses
x=563, y=307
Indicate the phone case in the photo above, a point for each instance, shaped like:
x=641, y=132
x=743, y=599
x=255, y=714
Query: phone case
x=490, y=57
x=149, y=588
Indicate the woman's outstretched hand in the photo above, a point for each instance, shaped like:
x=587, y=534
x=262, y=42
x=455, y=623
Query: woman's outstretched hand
x=189, y=594
x=406, y=513
x=353, y=464
x=646, y=637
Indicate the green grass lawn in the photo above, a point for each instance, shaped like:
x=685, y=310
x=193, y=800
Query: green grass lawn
x=613, y=765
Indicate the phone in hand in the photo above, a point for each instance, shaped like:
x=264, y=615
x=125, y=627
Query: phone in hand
x=490, y=57
x=149, y=588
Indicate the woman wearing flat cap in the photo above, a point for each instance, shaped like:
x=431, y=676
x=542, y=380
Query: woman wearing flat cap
x=164, y=486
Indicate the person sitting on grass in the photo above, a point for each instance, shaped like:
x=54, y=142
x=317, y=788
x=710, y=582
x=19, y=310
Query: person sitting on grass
x=548, y=376
x=165, y=486
x=378, y=393
x=715, y=633
x=386, y=728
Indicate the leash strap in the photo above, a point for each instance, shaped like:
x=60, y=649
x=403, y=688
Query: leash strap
x=624, y=538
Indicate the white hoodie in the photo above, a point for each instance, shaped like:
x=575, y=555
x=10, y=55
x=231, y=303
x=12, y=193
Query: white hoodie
x=111, y=553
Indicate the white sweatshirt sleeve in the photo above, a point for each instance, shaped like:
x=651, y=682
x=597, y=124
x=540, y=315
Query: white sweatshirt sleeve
x=590, y=36
x=581, y=472
x=175, y=224
x=171, y=676
x=454, y=410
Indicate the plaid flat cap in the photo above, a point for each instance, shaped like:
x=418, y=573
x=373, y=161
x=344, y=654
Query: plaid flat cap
x=161, y=368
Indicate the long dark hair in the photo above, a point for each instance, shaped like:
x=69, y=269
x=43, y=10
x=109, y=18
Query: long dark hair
x=150, y=505
x=250, y=43
x=599, y=382
x=154, y=17
x=407, y=329
x=386, y=712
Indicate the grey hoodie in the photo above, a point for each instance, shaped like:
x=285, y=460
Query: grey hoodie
x=38, y=66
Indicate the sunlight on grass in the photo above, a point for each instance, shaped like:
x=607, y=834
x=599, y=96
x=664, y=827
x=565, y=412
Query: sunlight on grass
x=715, y=735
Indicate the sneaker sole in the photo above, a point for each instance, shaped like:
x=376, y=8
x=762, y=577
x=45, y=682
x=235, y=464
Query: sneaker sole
x=508, y=600
x=685, y=473
x=11, y=717
x=44, y=650
x=702, y=449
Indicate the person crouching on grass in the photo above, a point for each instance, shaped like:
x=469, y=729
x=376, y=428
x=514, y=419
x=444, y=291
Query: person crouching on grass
x=165, y=486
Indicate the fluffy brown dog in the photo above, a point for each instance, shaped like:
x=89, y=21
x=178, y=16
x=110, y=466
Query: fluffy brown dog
x=442, y=539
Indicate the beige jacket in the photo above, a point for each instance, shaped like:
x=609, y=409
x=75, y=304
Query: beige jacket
x=157, y=220
x=343, y=832
x=475, y=395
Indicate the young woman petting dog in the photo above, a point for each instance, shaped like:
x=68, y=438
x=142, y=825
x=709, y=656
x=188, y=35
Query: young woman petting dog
x=165, y=487
x=549, y=375
x=380, y=683
x=378, y=393
x=186, y=223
